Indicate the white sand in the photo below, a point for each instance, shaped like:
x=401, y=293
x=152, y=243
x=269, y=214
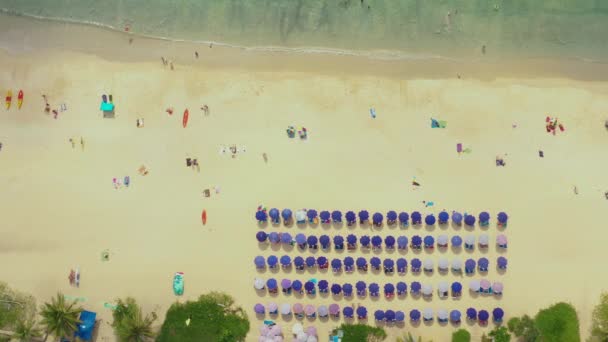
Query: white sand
x=59, y=209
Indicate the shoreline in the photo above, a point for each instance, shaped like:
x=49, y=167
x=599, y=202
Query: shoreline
x=104, y=41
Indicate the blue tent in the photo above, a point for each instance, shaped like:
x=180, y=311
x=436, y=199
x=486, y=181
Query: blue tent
x=469, y=220
x=261, y=216
x=286, y=214
x=430, y=220
x=365, y=240
x=336, y=215
x=86, y=326
x=404, y=218
x=261, y=236
x=416, y=218
x=325, y=216
x=457, y=217
x=274, y=215
x=363, y=216
x=391, y=216
x=350, y=217
x=444, y=217
x=324, y=241
x=377, y=218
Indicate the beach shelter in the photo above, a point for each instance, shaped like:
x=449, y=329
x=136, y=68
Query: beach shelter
x=361, y=312
x=363, y=216
x=286, y=238
x=259, y=309
x=261, y=236
x=415, y=287
x=259, y=261
x=502, y=219
x=482, y=264
x=323, y=311
x=274, y=237
x=414, y=315
x=336, y=215
x=312, y=215
x=430, y=220
x=427, y=314
x=261, y=216
x=457, y=264
x=401, y=288
x=471, y=314
x=349, y=264
x=416, y=218
x=497, y=315
x=469, y=266
x=301, y=216
x=375, y=262
x=338, y=242
x=402, y=242
x=311, y=261
x=404, y=219
x=348, y=312
x=376, y=241
x=443, y=217
x=401, y=265
x=377, y=219
x=399, y=316
x=484, y=219
x=456, y=241
x=455, y=316
x=365, y=241
x=416, y=265
x=324, y=241
x=457, y=218
x=391, y=217
x=469, y=220
x=336, y=265
x=442, y=241
x=374, y=289
x=483, y=316
x=325, y=216
x=389, y=241
x=360, y=286
x=501, y=263
x=350, y=217
x=272, y=261
x=347, y=289
x=274, y=215
x=379, y=315
x=429, y=242
x=416, y=242
x=286, y=214
x=86, y=325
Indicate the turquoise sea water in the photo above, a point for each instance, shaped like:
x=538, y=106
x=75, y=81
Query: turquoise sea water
x=526, y=28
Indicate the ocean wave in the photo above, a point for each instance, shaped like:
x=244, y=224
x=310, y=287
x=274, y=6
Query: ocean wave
x=371, y=54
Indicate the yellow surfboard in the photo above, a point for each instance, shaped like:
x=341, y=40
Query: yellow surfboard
x=9, y=99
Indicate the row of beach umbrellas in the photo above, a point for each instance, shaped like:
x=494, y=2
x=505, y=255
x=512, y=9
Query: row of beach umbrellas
x=274, y=333
x=402, y=242
x=400, y=265
x=326, y=217
x=361, y=288
x=443, y=316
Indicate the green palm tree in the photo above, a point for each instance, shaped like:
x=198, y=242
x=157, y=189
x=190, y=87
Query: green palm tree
x=26, y=330
x=135, y=327
x=59, y=317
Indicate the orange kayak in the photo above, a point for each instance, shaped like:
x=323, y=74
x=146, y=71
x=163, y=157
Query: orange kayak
x=9, y=99
x=185, y=119
x=20, y=99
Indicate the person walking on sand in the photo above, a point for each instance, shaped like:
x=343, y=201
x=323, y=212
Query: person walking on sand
x=82, y=143
x=72, y=142
x=196, y=54
x=171, y=65
x=265, y=157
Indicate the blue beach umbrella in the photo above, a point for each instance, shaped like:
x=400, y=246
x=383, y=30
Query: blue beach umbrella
x=286, y=238
x=469, y=266
x=361, y=262
x=363, y=216
x=415, y=287
x=259, y=309
x=469, y=220
x=416, y=241
x=336, y=215
x=471, y=314
x=338, y=242
x=274, y=237
x=350, y=217
x=323, y=285
x=311, y=261
x=389, y=288
x=272, y=260
x=429, y=220
x=389, y=241
x=351, y=239
x=285, y=260
x=501, y=262
x=312, y=241
x=444, y=217
x=377, y=218
x=388, y=264
x=416, y=264
x=259, y=261
x=261, y=216
x=336, y=289
x=456, y=287
x=362, y=312
x=484, y=218
x=498, y=314
x=324, y=241
x=365, y=241
x=286, y=214
x=455, y=316
x=361, y=286
x=325, y=216
x=429, y=241
x=375, y=262
x=309, y=286
x=301, y=239
x=349, y=262
x=321, y=261
x=404, y=218
x=391, y=216
x=457, y=217
x=399, y=316
x=274, y=215
x=502, y=217
x=298, y=262
x=483, y=315
x=348, y=312
x=401, y=287
x=379, y=315
x=272, y=284
x=456, y=241
x=402, y=242
x=347, y=289
x=336, y=264
x=374, y=288
x=376, y=241
x=415, y=315
x=389, y=315
x=401, y=265
x=311, y=214
x=297, y=285
x=483, y=264
x=261, y=236
x=416, y=217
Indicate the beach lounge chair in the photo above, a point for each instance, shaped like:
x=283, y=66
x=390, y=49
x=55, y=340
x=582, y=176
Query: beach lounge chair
x=178, y=283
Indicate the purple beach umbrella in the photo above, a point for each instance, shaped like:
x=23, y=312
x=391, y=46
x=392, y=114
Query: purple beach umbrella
x=348, y=312
x=429, y=241
x=389, y=288
x=483, y=315
x=401, y=288
x=338, y=242
x=365, y=241
x=415, y=287
x=312, y=241
x=471, y=314
x=311, y=261
x=259, y=308
x=376, y=241
x=374, y=289
x=361, y=286
x=259, y=261
x=349, y=262
x=498, y=314
x=416, y=264
x=379, y=315
x=261, y=236
x=469, y=266
x=323, y=285
x=322, y=261
x=389, y=241
x=285, y=261
x=502, y=218
x=501, y=262
x=457, y=217
x=401, y=265
x=430, y=220
x=298, y=262
x=391, y=217
x=483, y=264
x=389, y=315
x=347, y=289
x=375, y=262
x=261, y=216
x=286, y=284
x=456, y=287
x=312, y=215
x=484, y=218
x=336, y=289
x=309, y=286
x=351, y=239
x=469, y=220
x=361, y=262
x=336, y=264
x=362, y=312
x=416, y=241
x=414, y=315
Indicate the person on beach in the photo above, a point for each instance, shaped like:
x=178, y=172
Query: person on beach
x=171, y=65
x=169, y=111
x=196, y=54
x=164, y=60
x=265, y=157
x=55, y=113
x=82, y=143
x=72, y=142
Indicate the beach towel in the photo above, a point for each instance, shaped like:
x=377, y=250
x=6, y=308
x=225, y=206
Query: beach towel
x=434, y=123
x=372, y=112
x=110, y=306
x=459, y=147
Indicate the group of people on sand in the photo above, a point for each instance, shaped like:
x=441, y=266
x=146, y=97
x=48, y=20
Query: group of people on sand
x=73, y=142
x=47, y=107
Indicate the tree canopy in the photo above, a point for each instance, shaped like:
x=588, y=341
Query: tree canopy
x=213, y=317
x=15, y=307
x=524, y=328
x=59, y=317
x=362, y=332
x=461, y=335
x=500, y=334
x=599, y=325
x=558, y=322
x=129, y=324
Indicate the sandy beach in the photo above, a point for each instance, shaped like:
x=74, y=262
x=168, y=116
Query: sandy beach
x=59, y=208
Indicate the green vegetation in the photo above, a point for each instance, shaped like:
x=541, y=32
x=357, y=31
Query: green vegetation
x=599, y=325
x=461, y=335
x=500, y=334
x=26, y=330
x=59, y=317
x=129, y=323
x=558, y=322
x=363, y=333
x=523, y=328
x=213, y=317
x=15, y=307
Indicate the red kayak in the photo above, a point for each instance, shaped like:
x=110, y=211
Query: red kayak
x=204, y=217
x=185, y=119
